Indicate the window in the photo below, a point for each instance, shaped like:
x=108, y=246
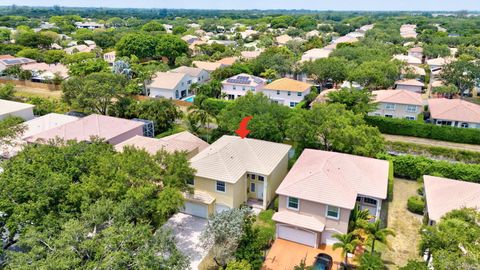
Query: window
x=243, y=88
x=252, y=187
x=411, y=108
x=260, y=178
x=220, y=186
x=464, y=125
x=370, y=201
x=389, y=115
x=189, y=82
x=234, y=87
x=191, y=182
x=410, y=117
x=389, y=106
x=278, y=92
x=377, y=114
x=299, y=94
x=333, y=212
x=293, y=203
x=289, y=93
x=252, y=176
x=293, y=104
x=252, y=88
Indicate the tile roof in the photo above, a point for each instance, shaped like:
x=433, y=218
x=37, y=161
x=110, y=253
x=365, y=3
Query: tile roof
x=299, y=220
x=286, y=84
x=60, y=69
x=398, y=96
x=8, y=106
x=191, y=71
x=335, y=179
x=183, y=141
x=408, y=59
x=444, y=195
x=283, y=39
x=230, y=157
x=409, y=82
x=46, y=122
x=83, y=129
x=208, y=66
x=166, y=80
x=227, y=61
x=454, y=109
x=249, y=80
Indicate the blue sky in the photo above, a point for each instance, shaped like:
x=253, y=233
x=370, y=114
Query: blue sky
x=265, y=4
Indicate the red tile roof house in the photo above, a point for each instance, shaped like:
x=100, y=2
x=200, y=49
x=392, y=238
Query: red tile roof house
x=398, y=104
x=113, y=130
x=454, y=112
x=318, y=194
x=410, y=84
x=443, y=195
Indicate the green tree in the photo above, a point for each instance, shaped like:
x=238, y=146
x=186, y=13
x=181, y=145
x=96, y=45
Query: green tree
x=463, y=74
x=171, y=47
x=7, y=91
x=325, y=69
x=34, y=54
x=54, y=56
x=139, y=44
x=239, y=265
x=161, y=111
x=347, y=243
x=358, y=101
x=376, y=74
x=87, y=67
x=4, y=35
x=415, y=265
x=279, y=59
x=436, y=50
x=179, y=29
x=11, y=128
x=153, y=26
x=201, y=116
x=370, y=261
x=375, y=232
x=95, y=92
x=357, y=217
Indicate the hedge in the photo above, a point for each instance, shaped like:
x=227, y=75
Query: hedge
x=435, y=152
x=416, y=204
x=390, y=181
x=406, y=127
x=414, y=167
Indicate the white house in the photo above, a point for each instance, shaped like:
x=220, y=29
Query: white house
x=287, y=91
x=12, y=108
x=109, y=57
x=198, y=75
x=169, y=85
x=240, y=84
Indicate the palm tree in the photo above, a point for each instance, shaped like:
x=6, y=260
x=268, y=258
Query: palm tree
x=375, y=232
x=357, y=216
x=202, y=116
x=347, y=242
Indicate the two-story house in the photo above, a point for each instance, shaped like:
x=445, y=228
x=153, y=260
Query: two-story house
x=410, y=85
x=233, y=171
x=238, y=85
x=320, y=191
x=287, y=91
x=454, y=113
x=169, y=85
x=443, y=195
x=198, y=75
x=398, y=104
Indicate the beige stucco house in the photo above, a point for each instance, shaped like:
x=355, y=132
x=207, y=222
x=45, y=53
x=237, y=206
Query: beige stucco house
x=398, y=104
x=321, y=189
x=233, y=171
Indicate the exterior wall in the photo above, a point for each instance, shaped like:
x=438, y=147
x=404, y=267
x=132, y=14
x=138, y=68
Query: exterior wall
x=234, y=195
x=26, y=114
x=417, y=89
x=318, y=210
x=400, y=111
x=202, y=78
x=183, y=85
x=127, y=135
x=166, y=93
x=457, y=123
x=228, y=89
x=274, y=181
x=283, y=98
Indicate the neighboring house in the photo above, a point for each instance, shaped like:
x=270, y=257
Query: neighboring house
x=190, y=39
x=110, y=57
x=238, y=85
x=410, y=85
x=233, y=171
x=208, y=66
x=170, y=85
x=454, y=113
x=443, y=195
x=416, y=52
x=411, y=60
x=111, y=129
x=314, y=54
x=248, y=55
x=345, y=39
x=45, y=122
x=320, y=191
x=180, y=142
x=437, y=63
x=79, y=48
x=412, y=69
x=408, y=31
x=287, y=91
x=12, y=108
x=43, y=72
x=89, y=25
x=283, y=39
x=312, y=34
x=10, y=62
x=227, y=61
x=398, y=104
x=198, y=75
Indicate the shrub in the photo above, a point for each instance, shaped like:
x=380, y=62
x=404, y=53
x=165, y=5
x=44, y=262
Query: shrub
x=417, y=129
x=390, y=181
x=415, y=265
x=416, y=205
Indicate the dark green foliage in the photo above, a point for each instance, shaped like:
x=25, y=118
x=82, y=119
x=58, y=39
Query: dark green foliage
x=391, y=181
x=415, y=265
x=214, y=106
x=370, y=261
x=416, y=204
x=416, y=129
x=161, y=111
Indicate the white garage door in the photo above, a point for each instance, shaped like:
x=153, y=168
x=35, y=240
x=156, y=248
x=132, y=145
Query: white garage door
x=220, y=208
x=297, y=235
x=328, y=239
x=196, y=209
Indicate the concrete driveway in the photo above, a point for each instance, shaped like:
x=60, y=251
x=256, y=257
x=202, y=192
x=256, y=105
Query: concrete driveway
x=187, y=230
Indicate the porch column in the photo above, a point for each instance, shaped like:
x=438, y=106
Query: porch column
x=265, y=184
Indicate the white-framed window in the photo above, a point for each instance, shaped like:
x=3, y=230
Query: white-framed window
x=389, y=115
x=243, y=88
x=191, y=182
x=389, y=106
x=332, y=212
x=289, y=93
x=234, y=87
x=252, y=187
x=260, y=178
x=220, y=186
x=278, y=92
x=370, y=201
x=299, y=94
x=252, y=176
x=411, y=108
x=252, y=88
x=464, y=125
x=410, y=117
x=293, y=104
x=293, y=203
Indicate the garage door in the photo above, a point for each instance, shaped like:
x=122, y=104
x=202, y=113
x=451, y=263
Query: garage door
x=297, y=235
x=196, y=209
x=220, y=208
x=328, y=239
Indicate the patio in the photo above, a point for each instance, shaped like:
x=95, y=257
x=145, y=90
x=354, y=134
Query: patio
x=285, y=255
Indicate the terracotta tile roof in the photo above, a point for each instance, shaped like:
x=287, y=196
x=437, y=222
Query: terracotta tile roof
x=299, y=220
x=6, y=56
x=344, y=176
x=398, y=96
x=230, y=157
x=286, y=84
x=443, y=195
x=454, y=110
x=227, y=61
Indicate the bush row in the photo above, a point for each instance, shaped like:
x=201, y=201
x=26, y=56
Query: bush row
x=435, y=152
x=414, y=167
x=406, y=127
x=416, y=204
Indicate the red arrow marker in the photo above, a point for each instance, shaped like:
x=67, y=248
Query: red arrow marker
x=242, y=130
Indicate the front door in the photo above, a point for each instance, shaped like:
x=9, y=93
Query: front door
x=259, y=187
